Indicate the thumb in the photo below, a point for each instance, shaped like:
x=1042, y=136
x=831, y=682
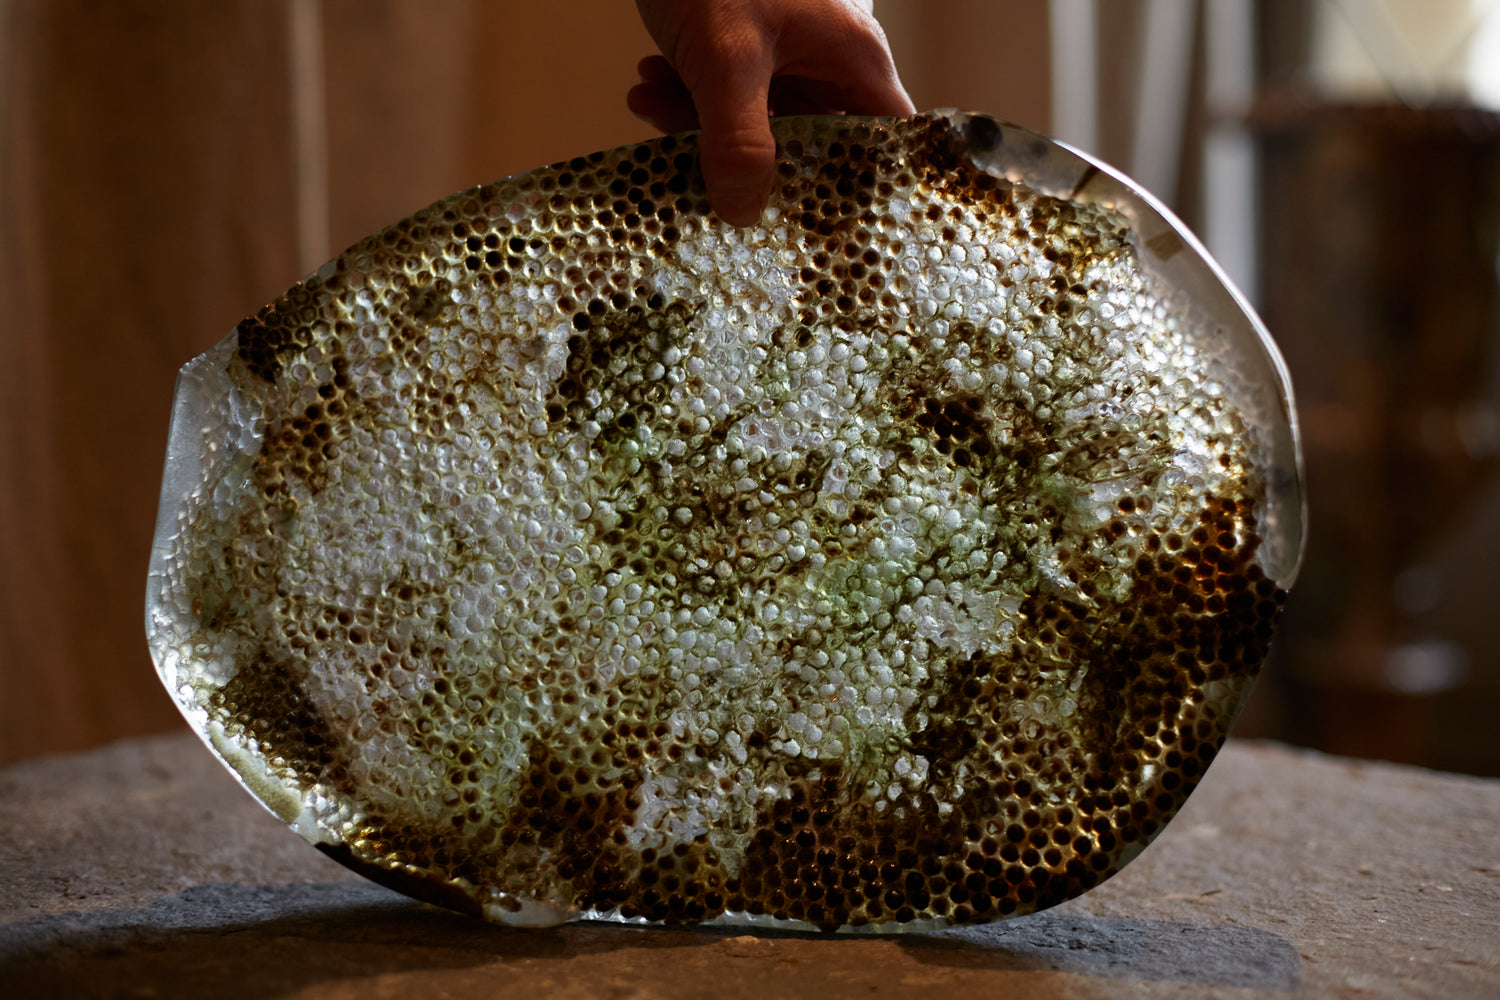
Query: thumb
x=736, y=148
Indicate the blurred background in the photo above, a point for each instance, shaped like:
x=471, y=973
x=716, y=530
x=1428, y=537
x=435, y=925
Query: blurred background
x=168, y=166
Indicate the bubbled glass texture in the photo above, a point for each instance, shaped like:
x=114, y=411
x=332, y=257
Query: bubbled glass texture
x=897, y=562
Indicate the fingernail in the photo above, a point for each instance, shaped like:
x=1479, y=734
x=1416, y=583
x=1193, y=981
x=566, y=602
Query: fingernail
x=740, y=208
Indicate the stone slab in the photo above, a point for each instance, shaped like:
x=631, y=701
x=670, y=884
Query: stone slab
x=144, y=870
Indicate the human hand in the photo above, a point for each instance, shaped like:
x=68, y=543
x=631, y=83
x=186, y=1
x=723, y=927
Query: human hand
x=727, y=65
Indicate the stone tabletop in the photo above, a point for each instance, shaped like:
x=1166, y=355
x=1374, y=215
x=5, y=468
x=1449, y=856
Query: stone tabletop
x=144, y=870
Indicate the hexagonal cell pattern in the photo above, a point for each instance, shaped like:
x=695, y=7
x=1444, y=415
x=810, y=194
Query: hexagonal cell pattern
x=900, y=561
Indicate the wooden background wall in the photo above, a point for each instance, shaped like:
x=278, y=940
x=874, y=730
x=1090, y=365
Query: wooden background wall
x=159, y=180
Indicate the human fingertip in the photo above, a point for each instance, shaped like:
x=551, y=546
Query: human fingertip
x=655, y=69
x=649, y=101
x=742, y=207
x=667, y=109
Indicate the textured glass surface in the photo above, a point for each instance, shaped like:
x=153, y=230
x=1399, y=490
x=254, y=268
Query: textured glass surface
x=901, y=561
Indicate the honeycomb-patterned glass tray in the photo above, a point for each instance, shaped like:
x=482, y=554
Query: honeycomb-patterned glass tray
x=900, y=561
